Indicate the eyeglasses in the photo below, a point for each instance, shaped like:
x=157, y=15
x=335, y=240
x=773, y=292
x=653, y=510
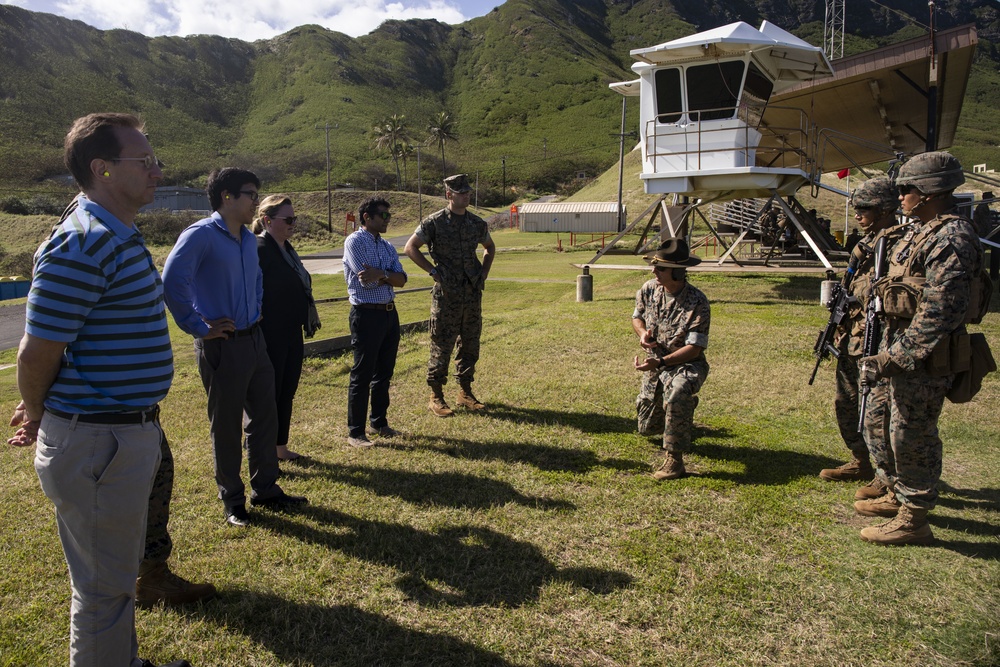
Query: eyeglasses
x=289, y=219
x=147, y=161
x=253, y=194
x=906, y=189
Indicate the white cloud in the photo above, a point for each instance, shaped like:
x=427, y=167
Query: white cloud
x=251, y=19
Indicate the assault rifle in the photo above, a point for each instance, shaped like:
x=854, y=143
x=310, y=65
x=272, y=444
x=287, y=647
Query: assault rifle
x=838, y=304
x=873, y=326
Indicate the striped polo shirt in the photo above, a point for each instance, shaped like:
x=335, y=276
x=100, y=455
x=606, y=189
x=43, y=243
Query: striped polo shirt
x=361, y=248
x=96, y=289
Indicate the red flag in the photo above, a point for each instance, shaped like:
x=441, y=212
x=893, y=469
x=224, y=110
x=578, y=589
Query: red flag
x=843, y=173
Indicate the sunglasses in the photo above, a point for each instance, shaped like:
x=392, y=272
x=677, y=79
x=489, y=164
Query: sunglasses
x=385, y=214
x=906, y=189
x=660, y=268
x=254, y=196
x=147, y=162
x=289, y=219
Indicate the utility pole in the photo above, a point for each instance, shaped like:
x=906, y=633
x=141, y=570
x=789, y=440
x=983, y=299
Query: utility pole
x=420, y=198
x=621, y=167
x=503, y=191
x=833, y=29
x=329, y=190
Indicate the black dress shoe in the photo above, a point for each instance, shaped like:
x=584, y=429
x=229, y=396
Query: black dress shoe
x=175, y=663
x=280, y=501
x=237, y=516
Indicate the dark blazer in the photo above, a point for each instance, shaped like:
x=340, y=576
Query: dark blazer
x=286, y=303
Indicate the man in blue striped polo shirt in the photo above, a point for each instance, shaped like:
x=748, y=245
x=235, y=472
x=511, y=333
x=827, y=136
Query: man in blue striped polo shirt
x=214, y=288
x=94, y=363
x=372, y=270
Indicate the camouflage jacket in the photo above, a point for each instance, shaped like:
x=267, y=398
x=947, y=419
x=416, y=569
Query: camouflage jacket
x=947, y=261
x=676, y=320
x=453, y=242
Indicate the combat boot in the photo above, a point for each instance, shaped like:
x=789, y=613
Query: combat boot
x=671, y=468
x=855, y=470
x=909, y=527
x=886, y=505
x=438, y=405
x=162, y=585
x=873, y=489
x=467, y=399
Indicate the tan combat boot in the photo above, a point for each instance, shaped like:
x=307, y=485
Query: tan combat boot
x=873, y=489
x=467, y=399
x=855, y=470
x=671, y=468
x=161, y=585
x=909, y=527
x=438, y=405
x=886, y=505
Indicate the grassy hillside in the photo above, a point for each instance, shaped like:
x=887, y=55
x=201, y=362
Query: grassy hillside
x=526, y=86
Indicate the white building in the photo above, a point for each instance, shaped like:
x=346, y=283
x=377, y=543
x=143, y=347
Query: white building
x=578, y=217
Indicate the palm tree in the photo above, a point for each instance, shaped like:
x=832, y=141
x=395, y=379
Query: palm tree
x=389, y=134
x=405, y=151
x=441, y=130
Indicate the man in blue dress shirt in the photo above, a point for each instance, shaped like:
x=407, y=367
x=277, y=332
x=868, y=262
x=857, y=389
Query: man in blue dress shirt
x=214, y=286
x=372, y=270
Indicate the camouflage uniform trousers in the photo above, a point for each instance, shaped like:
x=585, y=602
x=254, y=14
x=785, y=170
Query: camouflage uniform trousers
x=456, y=315
x=845, y=404
x=158, y=542
x=902, y=435
x=666, y=403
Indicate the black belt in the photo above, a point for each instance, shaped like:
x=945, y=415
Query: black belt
x=244, y=332
x=377, y=306
x=150, y=415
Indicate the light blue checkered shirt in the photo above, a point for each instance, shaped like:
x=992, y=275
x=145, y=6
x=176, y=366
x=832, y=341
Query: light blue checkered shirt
x=361, y=248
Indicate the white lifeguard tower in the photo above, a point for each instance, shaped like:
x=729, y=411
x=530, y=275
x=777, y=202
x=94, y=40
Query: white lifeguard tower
x=702, y=99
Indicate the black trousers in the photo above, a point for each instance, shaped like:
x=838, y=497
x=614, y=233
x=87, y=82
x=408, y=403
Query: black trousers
x=286, y=350
x=375, y=339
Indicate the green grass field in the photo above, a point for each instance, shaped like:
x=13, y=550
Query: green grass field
x=533, y=534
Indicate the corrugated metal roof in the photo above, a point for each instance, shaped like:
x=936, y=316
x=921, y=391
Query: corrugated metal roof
x=571, y=207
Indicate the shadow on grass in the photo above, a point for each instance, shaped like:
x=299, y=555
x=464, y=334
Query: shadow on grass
x=586, y=422
x=763, y=466
x=443, y=489
x=312, y=634
x=985, y=499
x=543, y=457
x=457, y=565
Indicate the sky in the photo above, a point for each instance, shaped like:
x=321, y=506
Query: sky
x=250, y=20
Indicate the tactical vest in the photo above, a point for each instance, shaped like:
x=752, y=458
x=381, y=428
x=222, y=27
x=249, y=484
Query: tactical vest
x=902, y=290
x=903, y=287
x=860, y=287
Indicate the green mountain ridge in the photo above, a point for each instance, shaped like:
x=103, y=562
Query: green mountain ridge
x=526, y=86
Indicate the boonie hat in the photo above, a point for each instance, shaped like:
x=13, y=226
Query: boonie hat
x=458, y=183
x=672, y=253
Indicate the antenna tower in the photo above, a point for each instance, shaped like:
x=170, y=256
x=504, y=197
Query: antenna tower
x=833, y=29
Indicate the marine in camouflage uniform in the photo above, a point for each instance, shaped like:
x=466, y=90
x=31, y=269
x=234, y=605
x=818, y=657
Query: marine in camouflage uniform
x=943, y=251
x=671, y=318
x=875, y=202
x=453, y=236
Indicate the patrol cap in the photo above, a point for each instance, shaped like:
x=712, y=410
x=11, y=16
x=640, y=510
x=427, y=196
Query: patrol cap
x=674, y=254
x=878, y=192
x=458, y=183
x=931, y=173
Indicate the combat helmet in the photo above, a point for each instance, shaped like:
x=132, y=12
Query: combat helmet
x=878, y=193
x=932, y=173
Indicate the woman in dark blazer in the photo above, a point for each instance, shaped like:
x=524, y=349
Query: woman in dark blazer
x=288, y=307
